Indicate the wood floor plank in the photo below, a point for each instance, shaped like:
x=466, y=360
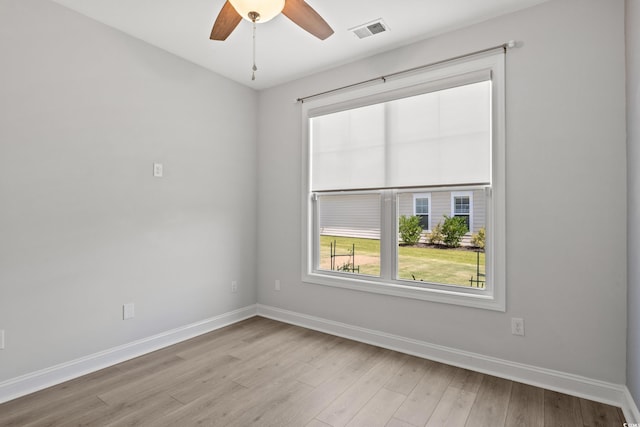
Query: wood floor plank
x=73, y=409
x=341, y=410
x=322, y=343
x=316, y=423
x=595, y=414
x=212, y=387
x=273, y=363
x=336, y=358
x=184, y=373
x=139, y=387
x=67, y=395
x=424, y=398
x=492, y=402
x=224, y=367
x=146, y=410
x=561, y=410
x=231, y=338
x=453, y=409
x=466, y=380
x=526, y=406
x=255, y=349
x=311, y=405
x=394, y=422
x=405, y=380
x=50, y=399
x=225, y=409
x=266, y=329
x=263, y=409
x=236, y=409
x=206, y=403
x=379, y=410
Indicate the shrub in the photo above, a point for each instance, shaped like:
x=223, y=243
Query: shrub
x=410, y=229
x=477, y=239
x=453, y=229
x=436, y=236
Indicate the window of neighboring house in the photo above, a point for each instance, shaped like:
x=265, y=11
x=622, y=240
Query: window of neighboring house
x=421, y=208
x=370, y=155
x=462, y=206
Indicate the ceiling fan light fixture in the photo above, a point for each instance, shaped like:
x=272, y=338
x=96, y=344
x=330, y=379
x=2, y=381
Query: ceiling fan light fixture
x=267, y=9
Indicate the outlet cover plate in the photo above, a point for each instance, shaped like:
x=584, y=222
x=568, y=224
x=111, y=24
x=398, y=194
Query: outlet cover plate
x=128, y=311
x=517, y=326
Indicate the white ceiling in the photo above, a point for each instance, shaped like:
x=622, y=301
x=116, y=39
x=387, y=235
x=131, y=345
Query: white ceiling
x=285, y=51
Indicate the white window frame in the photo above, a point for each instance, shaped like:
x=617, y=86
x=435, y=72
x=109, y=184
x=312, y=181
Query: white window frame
x=468, y=194
x=423, y=196
x=493, y=296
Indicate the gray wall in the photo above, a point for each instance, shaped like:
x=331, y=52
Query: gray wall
x=85, y=111
x=633, y=161
x=566, y=273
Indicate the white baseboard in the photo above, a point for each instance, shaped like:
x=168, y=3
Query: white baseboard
x=630, y=408
x=600, y=391
x=29, y=383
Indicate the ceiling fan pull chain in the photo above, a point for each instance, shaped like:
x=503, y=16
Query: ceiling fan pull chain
x=255, y=68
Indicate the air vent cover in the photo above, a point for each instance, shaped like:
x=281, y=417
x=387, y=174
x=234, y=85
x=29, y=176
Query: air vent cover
x=369, y=29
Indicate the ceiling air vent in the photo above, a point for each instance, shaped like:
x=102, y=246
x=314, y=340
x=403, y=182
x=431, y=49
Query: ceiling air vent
x=369, y=29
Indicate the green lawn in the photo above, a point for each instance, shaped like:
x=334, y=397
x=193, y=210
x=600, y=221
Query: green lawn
x=449, y=266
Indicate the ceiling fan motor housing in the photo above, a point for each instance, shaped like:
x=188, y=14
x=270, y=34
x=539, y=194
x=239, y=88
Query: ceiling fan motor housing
x=254, y=10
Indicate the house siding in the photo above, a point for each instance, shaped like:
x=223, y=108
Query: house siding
x=350, y=215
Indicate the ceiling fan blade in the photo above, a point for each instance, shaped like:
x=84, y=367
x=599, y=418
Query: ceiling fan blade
x=227, y=20
x=307, y=18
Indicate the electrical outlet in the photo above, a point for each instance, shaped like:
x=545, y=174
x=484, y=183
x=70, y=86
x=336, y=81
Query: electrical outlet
x=234, y=286
x=1, y=339
x=157, y=170
x=277, y=285
x=517, y=326
x=128, y=311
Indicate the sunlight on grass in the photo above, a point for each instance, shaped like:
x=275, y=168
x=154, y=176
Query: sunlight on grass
x=447, y=266
x=367, y=253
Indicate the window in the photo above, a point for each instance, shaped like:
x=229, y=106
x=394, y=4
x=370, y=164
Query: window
x=462, y=206
x=431, y=145
x=421, y=208
x=347, y=223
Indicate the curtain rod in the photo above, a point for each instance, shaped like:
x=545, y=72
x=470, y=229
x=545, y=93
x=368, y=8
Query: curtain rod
x=504, y=46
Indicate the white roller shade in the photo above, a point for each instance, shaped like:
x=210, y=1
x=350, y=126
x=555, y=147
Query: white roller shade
x=441, y=137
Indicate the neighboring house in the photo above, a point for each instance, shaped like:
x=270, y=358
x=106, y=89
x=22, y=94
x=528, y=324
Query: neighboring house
x=432, y=206
x=359, y=215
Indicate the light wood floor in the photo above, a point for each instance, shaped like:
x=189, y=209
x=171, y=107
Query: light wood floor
x=265, y=373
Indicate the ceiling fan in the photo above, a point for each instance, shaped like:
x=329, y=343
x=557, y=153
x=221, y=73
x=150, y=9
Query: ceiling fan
x=263, y=10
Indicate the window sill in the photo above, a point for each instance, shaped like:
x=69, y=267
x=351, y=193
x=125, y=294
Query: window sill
x=482, y=299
